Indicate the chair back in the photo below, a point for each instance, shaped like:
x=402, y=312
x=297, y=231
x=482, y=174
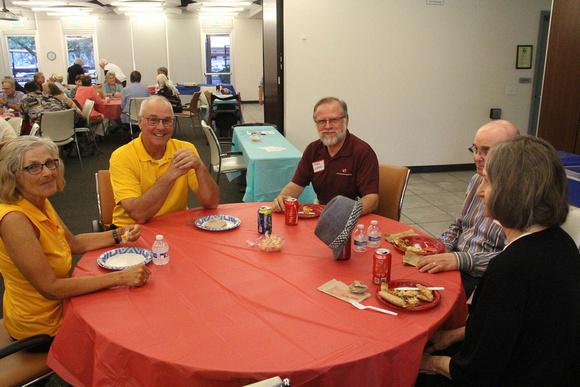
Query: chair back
x=58, y=125
x=194, y=102
x=134, y=107
x=206, y=94
x=214, y=146
x=105, y=198
x=21, y=367
x=392, y=185
x=34, y=131
x=87, y=110
x=16, y=123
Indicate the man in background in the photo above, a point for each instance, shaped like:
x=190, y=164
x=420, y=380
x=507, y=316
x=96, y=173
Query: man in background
x=473, y=239
x=38, y=78
x=10, y=98
x=134, y=90
x=119, y=74
x=338, y=163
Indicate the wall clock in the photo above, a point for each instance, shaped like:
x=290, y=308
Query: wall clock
x=51, y=55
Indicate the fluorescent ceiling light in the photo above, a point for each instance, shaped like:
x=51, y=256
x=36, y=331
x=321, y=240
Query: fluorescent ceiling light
x=144, y=15
x=141, y=4
x=71, y=14
x=214, y=15
x=45, y=3
x=138, y=9
x=63, y=10
x=227, y=3
x=220, y=10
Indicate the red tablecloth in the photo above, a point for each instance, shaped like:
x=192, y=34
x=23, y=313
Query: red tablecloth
x=222, y=313
x=113, y=109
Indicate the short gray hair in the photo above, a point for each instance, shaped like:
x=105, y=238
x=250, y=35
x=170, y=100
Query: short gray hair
x=343, y=107
x=154, y=98
x=80, y=62
x=103, y=62
x=10, y=82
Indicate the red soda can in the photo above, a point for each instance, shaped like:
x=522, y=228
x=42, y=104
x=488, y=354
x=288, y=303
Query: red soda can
x=291, y=211
x=345, y=252
x=265, y=219
x=381, y=266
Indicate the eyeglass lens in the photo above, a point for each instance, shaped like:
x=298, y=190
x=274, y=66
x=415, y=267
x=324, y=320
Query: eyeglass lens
x=35, y=169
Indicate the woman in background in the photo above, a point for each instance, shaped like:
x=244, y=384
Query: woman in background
x=523, y=329
x=75, y=70
x=87, y=91
x=111, y=88
x=36, y=247
x=169, y=91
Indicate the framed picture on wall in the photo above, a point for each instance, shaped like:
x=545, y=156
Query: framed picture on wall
x=524, y=57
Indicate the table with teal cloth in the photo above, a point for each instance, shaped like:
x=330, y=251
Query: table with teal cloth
x=268, y=172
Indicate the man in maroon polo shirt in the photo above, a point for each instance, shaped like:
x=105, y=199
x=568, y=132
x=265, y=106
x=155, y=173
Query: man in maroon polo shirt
x=339, y=163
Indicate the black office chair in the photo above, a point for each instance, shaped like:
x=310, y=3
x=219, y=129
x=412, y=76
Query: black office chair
x=19, y=367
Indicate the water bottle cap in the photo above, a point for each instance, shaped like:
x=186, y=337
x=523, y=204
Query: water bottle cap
x=159, y=237
x=374, y=222
x=360, y=226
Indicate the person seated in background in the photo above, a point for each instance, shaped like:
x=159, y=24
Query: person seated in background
x=78, y=84
x=526, y=308
x=36, y=272
x=111, y=88
x=75, y=70
x=34, y=104
x=169, y=91
x=152, y=174
x=87, y=91
x=134, y=90
x=119, y=75
x=10, y=97
x=58, y=78
x=38, y=78
x=53, y=90
x=338, y=163
x=473, y=239
x=6, y=131
x=16, y=84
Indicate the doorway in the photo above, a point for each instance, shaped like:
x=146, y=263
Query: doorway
x=539, y=72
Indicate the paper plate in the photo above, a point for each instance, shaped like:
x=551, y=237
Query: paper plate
x=316, y=210
x=232, y=222
x=431, y=245
x=124, y=257
x=412, y=283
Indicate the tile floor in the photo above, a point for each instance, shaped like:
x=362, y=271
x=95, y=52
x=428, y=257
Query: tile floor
x=432, y=200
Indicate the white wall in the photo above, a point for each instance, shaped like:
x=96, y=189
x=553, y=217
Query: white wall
x=419, y=79
x=247, y=57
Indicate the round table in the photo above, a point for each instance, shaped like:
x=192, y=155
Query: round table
x=113, y=109
x=223, y=313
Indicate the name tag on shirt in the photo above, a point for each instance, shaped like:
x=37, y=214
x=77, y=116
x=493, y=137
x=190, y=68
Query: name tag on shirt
x=318, y=166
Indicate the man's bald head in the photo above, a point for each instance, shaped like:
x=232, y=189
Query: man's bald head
x=489, y=135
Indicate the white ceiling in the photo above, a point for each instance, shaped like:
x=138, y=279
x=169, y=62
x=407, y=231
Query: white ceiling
x=251, y=8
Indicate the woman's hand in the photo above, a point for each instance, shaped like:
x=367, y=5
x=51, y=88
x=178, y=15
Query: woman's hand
x=134, y=276
x=129, y=233
x=444, y=339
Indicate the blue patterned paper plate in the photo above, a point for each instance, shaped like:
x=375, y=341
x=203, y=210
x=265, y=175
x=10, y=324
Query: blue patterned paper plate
x=232, y=222
x=124, y=257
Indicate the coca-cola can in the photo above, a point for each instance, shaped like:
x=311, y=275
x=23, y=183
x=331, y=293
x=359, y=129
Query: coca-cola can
x=291, y=211
x=381, y=266
x=345, y=252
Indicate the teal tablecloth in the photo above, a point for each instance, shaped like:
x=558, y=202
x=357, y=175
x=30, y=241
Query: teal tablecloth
x=268, y=172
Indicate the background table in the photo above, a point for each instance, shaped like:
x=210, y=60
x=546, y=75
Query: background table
x=268, y=172
x=222, y=313
x=113, y=109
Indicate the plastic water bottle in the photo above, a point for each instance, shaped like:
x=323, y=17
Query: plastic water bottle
x=360, y=239
x=374, y=233
x=160, y=251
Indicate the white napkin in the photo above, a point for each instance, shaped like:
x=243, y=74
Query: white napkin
x=272, y=148
x=263, y=132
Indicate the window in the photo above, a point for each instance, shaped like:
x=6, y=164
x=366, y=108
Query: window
x=81, y=46
x=217, y=59
x=22, y=52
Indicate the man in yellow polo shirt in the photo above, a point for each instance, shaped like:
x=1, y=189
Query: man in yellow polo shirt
x=151, y=175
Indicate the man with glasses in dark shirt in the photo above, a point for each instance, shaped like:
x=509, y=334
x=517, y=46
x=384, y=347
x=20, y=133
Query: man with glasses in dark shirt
x=152, y=174
x=338, y=163
x=473, y=239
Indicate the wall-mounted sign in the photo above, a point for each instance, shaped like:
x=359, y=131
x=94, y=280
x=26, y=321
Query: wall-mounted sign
x=524, y=57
